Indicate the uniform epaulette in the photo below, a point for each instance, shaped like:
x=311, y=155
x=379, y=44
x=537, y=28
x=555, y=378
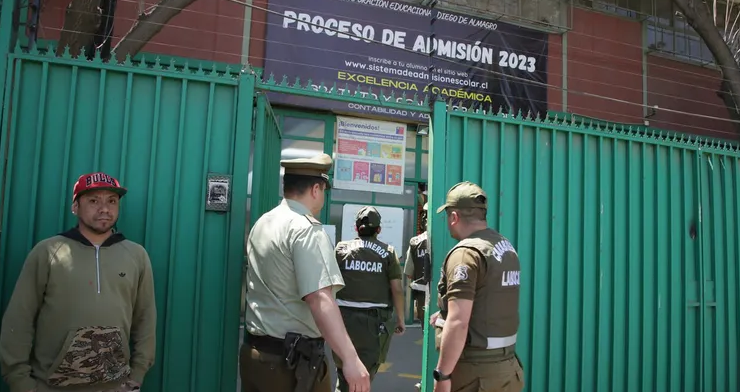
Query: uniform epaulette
x=391, y=249
x=313, y=220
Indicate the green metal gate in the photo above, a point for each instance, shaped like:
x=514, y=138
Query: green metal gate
x=267, y=147
x=161, y=131
x=629, y=247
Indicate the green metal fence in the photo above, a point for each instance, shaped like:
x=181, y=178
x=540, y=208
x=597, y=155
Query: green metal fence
x=161, y=131
x=629, y=247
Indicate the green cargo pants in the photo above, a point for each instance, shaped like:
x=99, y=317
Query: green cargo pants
x=371, y=341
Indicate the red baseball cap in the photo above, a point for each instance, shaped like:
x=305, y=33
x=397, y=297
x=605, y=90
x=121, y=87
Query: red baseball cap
x=97, y=181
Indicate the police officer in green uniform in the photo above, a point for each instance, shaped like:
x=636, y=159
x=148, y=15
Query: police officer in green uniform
x=292, y=281
x=478, y=320
x=372, y=274
x=417, y=268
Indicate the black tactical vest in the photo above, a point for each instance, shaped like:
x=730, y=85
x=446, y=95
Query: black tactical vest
x=420, y=257
x=496, y=303
x=365, y=265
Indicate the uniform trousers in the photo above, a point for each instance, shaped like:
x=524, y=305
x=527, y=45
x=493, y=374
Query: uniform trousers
x=370, y=340
x=420, y=302
x=480, y=371
x=262, y=371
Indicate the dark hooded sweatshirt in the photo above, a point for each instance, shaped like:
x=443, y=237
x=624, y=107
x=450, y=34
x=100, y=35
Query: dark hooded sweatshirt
x=73, y=312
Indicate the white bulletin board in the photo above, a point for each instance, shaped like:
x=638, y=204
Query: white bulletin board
x=331, y=230
x=391, y=224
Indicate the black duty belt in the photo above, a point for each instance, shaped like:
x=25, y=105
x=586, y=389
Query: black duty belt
x=269, y=344
x=266, y=343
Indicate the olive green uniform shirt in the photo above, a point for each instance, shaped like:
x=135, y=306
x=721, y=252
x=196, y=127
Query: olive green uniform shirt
x=289, y=256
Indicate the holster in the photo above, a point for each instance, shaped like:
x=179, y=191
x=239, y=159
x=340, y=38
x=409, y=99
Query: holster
x=304, y=356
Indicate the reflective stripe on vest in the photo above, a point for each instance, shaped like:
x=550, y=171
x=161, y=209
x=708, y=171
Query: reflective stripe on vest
x=359, y=305
x=493, y=343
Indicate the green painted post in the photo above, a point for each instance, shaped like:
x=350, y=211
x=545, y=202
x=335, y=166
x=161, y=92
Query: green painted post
x=237, y=227
x=260, y=155
x=437, y=231
x=6, y=45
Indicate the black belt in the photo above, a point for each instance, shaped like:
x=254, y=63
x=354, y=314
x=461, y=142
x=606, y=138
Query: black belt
x=269, y=344
x=266, y=343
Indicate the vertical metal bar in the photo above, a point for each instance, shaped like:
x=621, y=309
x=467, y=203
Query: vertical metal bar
x=569, y=254
x=727, y=282
x=536, y=294
x=643, y=281
x=658, y=340
x=438, y=133
x=6, y=47
x=150, y=203
x=630, y=264
x=601, y=268
x=237, y=217
x=615, y=263
x=700, y=232
x=498, y=222
x=674, y=304
x=718, y=249
x=734, y=294
x=551, y=338
x=237, y=214
x=520, y=199
x=329, y=130
x=71, y=104
x=520, y=176
x=688, y=260
x=126, y=126
x=464, y=146
x=37, y=155
x=486, y=160
x=260, y=155
x=99, y=118
x=229, y=240
x=584, y=279
x=7, y=142
x=174, y=229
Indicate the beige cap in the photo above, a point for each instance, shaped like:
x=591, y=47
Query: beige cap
x=465, y=195
x=317, y=166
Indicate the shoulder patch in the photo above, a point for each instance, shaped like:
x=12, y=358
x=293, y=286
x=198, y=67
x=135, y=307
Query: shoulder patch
x=461, y=273
x=312, y=220
x=391, y=249
x=415, y=240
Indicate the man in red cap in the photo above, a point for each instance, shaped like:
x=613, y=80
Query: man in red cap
x=82, y=299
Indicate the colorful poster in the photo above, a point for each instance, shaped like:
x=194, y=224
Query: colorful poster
x=370, y=155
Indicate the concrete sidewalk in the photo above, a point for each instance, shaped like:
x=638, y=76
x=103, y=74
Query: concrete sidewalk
x=402, y=369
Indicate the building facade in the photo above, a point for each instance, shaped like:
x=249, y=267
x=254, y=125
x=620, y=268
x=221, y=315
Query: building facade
x=622, y=61
x=632, y=52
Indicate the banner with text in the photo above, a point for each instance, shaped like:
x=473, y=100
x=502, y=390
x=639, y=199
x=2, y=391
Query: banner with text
x=477, y=63
x=370, y=156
